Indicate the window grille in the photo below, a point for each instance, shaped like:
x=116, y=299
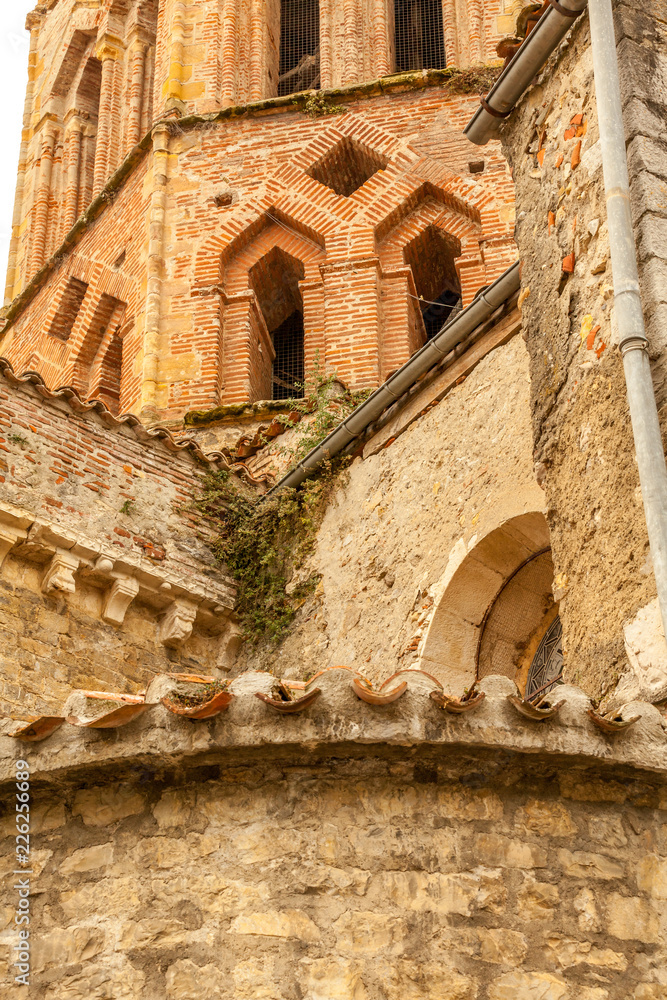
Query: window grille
x=299, y=46
x=440, y=311
x=547, y=665
x=288, y=367
x=420, y=42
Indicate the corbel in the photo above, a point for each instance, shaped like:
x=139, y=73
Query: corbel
x=118, y=599
x=8, y=538
x=176, y=626
x=60, y=574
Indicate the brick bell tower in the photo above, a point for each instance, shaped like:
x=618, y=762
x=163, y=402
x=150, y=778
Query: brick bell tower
x=211, y=193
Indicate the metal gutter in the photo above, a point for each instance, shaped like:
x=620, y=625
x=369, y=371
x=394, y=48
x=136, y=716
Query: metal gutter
x=518, y=75
x=633, y=342
x=452, y=334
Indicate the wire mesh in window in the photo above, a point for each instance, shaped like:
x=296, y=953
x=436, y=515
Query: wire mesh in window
x=440, y=311
x=431, y=256
x=299, y=46
x=288, y=367
x=419, y=36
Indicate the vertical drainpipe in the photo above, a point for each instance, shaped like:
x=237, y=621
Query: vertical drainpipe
x=156, y=224
x=33, y=22
x=633, y=342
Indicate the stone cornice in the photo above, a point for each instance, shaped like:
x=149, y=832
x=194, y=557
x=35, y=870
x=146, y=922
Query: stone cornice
x=337, y=724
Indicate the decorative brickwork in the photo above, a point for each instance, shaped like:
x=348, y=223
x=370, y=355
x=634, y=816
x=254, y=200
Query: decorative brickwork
x=172, y=319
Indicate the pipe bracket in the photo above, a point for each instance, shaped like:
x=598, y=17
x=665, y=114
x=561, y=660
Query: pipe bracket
x=633, y=344
x=492, y=111
x=565, y=11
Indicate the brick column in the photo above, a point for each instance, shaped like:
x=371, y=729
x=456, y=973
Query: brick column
x=228, y=49
x=352, y=320
x=314, y=328
x=326, y=22
x=33, y=22
x=108, y=56
x=73, y=142
x=138, y=54
x=352, y=41
x=382, y=47
x=403, y=330
x=156, y=223
x=42, y=199
x=449, y=32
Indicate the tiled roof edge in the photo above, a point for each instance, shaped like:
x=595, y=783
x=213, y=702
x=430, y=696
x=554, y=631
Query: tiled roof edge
x=146, y=435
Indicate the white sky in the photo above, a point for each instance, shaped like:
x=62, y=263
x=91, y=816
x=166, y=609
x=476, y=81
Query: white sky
x=14, y=45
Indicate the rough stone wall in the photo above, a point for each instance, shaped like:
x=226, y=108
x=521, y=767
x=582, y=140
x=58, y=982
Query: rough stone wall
x=176, y=242
x=641, y=44
x=583, y=445
x=403, y=516
x=99, y=542
x=383, y=878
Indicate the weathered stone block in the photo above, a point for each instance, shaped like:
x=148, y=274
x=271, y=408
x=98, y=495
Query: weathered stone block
x=582, y=864
x=104, y=805
x=630, y=918
x=497, y=850
x=281, y=924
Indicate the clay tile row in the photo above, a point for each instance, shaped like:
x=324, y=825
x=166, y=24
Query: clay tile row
x=197, y=697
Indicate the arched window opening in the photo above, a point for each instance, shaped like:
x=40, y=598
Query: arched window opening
x=299, y=46
x=275, y=281
x=88, y=105
x=497, y=612
x=431, y=256
x=420, y=40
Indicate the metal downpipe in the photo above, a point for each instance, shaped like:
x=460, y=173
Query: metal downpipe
x=518, y=75
x=633, y=342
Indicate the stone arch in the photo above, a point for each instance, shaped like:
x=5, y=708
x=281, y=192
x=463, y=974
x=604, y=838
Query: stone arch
x=493, y=604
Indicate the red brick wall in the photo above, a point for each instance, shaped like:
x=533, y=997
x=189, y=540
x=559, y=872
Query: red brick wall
x=349, y=248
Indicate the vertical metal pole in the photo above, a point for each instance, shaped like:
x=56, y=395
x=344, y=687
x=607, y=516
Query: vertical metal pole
x=633, y=342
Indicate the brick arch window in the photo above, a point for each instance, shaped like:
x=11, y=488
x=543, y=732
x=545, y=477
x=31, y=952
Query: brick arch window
x=299, y=46
x=419, y=36
x=431, y=257
x=275, y=281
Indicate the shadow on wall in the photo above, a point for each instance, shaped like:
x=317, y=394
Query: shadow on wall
x=496, y=609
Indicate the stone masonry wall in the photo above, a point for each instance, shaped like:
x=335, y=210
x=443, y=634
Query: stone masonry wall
x=86, y=507
x=404, y=515
x=397, y=876
x=583, y=445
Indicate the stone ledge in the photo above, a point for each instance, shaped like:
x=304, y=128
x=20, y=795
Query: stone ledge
x=339, y=722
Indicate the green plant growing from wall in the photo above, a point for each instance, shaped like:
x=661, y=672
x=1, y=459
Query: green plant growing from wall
x=262, y=542
x=316, y=105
